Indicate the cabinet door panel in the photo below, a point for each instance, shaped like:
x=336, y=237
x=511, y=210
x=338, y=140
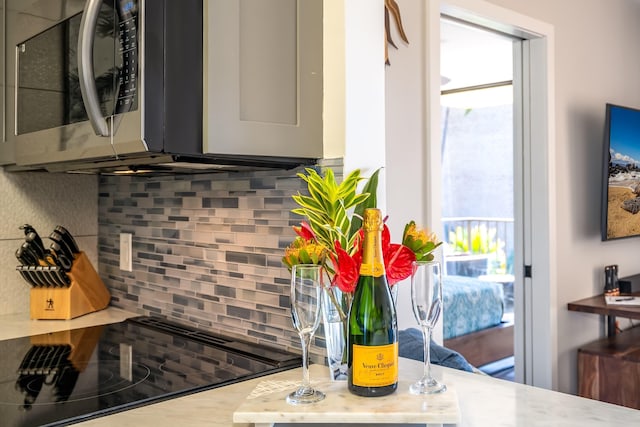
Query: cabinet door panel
x=268, y=69
x=263, y=78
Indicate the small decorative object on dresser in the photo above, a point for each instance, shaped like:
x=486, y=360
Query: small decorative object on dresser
x=611, y=287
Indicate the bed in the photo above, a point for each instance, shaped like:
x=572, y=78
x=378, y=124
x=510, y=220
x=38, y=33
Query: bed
x=473, y=320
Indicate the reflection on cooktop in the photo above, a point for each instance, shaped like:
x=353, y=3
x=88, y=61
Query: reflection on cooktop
x=70, y=376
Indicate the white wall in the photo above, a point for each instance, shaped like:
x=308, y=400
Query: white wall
x=354, y=76
x=407, y=171
x=43, y=200
x=597, y=61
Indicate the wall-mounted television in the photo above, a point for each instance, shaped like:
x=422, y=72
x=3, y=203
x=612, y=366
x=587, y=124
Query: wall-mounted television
x=621, y=173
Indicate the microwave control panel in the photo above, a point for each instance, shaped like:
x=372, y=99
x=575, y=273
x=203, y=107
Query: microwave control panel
x=128, y=34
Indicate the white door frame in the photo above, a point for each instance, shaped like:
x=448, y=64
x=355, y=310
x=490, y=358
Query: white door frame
x=536, y=315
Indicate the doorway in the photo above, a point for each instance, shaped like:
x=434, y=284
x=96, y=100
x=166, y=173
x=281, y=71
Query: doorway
x=535, y=332
x=477, y=173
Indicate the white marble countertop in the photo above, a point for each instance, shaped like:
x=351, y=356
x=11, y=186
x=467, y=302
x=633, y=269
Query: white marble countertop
x=20, y=325
x=483, y=401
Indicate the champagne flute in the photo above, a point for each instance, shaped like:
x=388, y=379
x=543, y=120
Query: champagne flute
x=306, y=294
x=426, y=299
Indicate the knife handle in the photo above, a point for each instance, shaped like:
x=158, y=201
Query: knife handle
x=60, y=276
x=26, y=277
x=31, y=271
x=28, y=229
x=61, y=258
x=28, y=254
x=68, y=239
x=20, y=256
x=62, y=245
x=35, y=243
x=45, y=276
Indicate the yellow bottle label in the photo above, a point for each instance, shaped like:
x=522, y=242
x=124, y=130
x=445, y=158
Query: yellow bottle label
x=375, y=366
x=374, y=270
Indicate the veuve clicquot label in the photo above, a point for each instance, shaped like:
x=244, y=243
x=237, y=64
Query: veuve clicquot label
x=375, y=366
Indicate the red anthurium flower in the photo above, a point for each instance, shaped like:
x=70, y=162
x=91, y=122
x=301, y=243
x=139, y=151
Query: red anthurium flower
x=386, y=238
x=347, y=270
x=397, y=262
x=304, y=231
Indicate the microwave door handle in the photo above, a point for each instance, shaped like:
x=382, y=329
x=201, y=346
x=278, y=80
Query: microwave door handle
x=85, y=67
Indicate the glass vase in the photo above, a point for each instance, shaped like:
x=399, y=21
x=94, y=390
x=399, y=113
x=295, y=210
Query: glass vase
x=335, y=309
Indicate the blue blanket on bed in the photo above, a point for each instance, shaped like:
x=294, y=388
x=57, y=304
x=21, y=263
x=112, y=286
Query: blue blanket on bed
x=411, y=346
x=470, y=305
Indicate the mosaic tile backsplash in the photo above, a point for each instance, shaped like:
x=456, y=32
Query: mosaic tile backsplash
x=207, y=250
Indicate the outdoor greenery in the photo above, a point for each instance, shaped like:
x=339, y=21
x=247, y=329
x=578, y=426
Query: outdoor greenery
x=480, y=240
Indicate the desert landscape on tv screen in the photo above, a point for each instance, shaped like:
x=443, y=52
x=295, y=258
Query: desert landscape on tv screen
x=623, y=198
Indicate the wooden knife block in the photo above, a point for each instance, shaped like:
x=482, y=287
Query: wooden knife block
x=86, y=294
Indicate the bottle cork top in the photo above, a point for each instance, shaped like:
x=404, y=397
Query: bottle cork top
x=372, y=220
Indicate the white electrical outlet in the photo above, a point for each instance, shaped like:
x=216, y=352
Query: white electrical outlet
x=126, y=263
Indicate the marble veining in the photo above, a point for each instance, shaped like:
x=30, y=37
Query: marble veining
x=483, y=402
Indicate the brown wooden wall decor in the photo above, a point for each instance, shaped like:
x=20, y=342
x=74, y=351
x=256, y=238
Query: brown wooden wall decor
x=390, y=6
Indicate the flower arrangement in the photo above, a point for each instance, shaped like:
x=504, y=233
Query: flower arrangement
x=331, y=235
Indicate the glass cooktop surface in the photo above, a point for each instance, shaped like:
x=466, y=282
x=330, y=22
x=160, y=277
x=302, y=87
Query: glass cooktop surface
x=65, y=377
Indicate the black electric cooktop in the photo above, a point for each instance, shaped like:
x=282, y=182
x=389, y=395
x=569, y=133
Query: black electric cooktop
x=66, y=377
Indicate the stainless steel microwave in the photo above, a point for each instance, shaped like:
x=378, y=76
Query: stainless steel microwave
x=114, y=84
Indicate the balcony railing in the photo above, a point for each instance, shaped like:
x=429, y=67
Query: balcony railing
x=478, y=245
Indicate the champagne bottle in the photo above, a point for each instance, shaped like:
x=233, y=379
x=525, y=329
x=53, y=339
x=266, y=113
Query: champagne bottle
x=373, y=324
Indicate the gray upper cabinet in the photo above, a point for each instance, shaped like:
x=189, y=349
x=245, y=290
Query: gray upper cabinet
x=7, y=155
x=263, y=77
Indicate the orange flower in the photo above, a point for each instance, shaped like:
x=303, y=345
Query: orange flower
x=420, y=241
x=302, y=251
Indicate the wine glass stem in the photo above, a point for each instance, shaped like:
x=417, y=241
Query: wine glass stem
x=427, y=352
x=306, y=343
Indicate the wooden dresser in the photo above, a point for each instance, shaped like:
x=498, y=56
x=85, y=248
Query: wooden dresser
x=609, y=368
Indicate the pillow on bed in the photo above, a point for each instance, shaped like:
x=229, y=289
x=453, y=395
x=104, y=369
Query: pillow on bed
x=411, y=346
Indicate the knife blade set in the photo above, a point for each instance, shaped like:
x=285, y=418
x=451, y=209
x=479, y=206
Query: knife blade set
x=47, y=267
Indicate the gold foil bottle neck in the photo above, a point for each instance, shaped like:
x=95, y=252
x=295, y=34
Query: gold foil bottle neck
x=372, y=220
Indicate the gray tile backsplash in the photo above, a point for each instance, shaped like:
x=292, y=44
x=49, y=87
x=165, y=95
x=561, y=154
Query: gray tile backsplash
x=207, y=250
